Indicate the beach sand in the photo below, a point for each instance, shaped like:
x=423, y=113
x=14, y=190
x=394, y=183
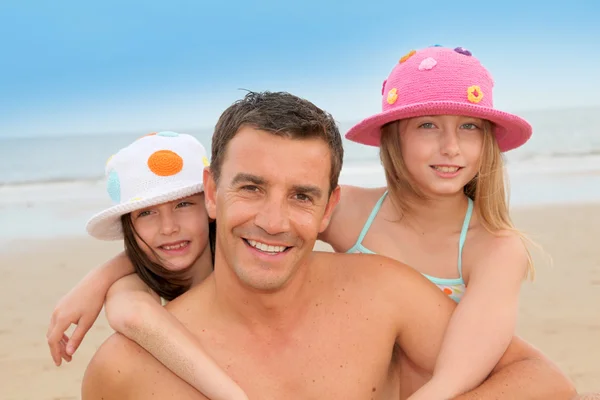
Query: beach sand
x=560, y=311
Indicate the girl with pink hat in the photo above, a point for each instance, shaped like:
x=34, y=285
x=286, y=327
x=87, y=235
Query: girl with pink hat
x=156, y=186
x=444, y=211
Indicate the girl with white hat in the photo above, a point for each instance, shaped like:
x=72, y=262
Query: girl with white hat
x=158, y=210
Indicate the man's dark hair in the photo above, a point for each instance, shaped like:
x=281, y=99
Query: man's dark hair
x=281, y=114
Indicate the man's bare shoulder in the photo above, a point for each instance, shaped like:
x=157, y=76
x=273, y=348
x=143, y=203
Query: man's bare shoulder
x=121, y=369
x=191, y=305
x=111, y=371
x=362, y=263
x=376, y=272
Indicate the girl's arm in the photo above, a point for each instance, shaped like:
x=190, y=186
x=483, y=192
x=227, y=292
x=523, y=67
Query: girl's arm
x=134, y=310
x=81, y=307
x=483, y=323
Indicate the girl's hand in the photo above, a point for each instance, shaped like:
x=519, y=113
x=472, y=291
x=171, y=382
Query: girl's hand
x=81, y=307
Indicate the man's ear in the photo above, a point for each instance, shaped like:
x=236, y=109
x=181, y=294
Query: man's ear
x=334, y=199
x=210, y=193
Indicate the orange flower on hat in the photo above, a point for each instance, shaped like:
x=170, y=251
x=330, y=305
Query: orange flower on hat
x=392, y=96
x=165, y=163
x=407, y=56
x=474, y=94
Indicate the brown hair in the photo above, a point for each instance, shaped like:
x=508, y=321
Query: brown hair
x=167, y=284
x=487, y=189
x=282, y=114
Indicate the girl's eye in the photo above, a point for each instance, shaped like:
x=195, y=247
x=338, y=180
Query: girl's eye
x=427, y=125
x=144, y=213
x=184, y=204
x=469, y=126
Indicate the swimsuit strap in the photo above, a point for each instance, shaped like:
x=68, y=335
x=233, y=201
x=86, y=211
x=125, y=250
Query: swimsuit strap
x=463, y=234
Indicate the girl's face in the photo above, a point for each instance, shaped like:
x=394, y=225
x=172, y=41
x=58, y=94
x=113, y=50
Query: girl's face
x=176, y=232
x=441, y=152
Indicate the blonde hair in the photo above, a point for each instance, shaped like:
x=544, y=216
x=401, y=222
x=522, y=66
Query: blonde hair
x=487, y=189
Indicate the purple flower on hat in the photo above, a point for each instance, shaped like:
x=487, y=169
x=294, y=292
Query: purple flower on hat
x=462, y=50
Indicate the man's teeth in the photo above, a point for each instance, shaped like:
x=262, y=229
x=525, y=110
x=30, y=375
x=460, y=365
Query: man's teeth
x=175, y=246
x=265, y=247
x=445, y=169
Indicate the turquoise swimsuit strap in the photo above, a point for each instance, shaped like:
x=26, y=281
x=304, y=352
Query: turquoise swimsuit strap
x=372, y=216
x=461, y=241
x=463, y=234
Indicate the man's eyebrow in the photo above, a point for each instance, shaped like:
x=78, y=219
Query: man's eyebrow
x=309, y=189
x=248, y=178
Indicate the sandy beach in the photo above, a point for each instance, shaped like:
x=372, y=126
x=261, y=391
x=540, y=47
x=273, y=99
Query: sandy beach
x=560, y=311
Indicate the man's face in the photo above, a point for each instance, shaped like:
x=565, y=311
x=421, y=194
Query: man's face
x=271, y=202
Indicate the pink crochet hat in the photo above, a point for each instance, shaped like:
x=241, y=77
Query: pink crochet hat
x=441, y=81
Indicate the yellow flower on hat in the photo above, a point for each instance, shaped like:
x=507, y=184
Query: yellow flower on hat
x=205, y=161
x=474, y=94
x=392, y=96
x=407, y=56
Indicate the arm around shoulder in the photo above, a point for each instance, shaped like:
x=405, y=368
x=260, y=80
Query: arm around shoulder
x=421, y=325
x=127, y=301
x=523, y=373
x=483, y=324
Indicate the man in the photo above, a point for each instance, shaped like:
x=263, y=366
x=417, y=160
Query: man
x=286, y=322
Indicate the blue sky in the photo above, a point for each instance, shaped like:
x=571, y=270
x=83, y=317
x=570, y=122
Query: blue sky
x=77, y=67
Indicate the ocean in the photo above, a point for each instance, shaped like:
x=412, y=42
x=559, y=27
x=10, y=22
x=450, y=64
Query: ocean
x=57, y=181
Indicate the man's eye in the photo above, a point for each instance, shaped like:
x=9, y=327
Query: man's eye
x=303, y=197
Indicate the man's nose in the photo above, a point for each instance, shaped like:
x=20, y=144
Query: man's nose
x=273, y=216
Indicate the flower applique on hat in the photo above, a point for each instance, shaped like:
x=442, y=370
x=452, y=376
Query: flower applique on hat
x=474, y=94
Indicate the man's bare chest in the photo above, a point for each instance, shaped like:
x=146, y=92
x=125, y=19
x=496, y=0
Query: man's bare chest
x=335, y=358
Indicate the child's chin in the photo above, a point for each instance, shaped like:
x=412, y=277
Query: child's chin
x=178, y=267
x=448, y=188
x=177, y=264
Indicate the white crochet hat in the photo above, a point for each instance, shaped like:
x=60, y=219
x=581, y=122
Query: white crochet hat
x=154, y=169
